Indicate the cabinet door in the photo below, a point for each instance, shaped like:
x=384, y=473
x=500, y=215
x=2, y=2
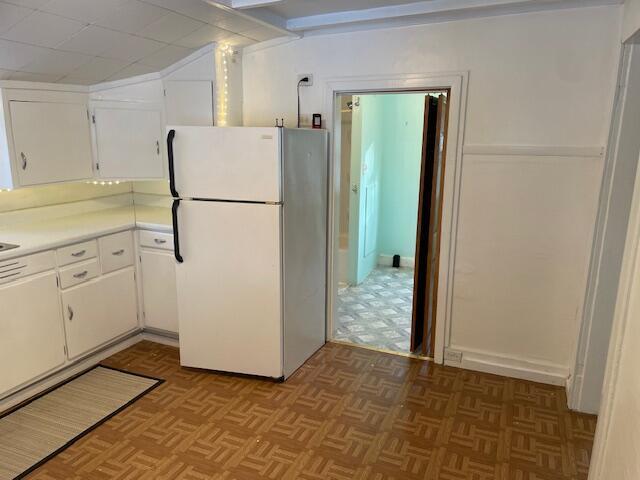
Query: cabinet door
x=31, y=335
x=99, y=311
x=129, y=143
x=159, y=290
x=189, y=102
x=52, y=142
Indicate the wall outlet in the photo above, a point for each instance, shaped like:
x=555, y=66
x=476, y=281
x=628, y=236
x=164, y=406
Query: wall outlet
x=305, y=84
x=453, y=356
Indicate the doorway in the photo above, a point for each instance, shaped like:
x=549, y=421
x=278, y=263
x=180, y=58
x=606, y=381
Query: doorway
x=392, y=158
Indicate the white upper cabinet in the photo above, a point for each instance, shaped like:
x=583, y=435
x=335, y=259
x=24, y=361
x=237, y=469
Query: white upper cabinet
x=128, y=140
x=44, y=138
x=189, y=102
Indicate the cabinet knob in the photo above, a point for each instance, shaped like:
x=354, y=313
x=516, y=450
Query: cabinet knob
x=70, y=312
x=24, y=160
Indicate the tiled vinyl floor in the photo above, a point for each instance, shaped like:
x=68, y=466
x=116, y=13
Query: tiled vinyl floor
x=346, y=414
x=377, y=313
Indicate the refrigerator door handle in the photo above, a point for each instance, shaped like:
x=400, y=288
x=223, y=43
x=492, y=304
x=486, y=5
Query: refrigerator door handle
x=172, y=176
x=176, y=236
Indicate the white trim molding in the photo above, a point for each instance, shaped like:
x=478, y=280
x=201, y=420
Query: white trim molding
x=535, y=371
x=535, y=150
x=457, y=82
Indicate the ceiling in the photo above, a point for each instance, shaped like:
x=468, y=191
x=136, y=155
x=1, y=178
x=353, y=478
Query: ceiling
x=303, y=8
x=90, y=41
x=307, y=16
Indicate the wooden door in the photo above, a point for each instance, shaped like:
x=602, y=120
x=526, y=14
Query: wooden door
x=429, y=225
x=51, y=141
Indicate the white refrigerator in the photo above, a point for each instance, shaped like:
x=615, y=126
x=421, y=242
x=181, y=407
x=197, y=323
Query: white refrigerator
x=250, y=238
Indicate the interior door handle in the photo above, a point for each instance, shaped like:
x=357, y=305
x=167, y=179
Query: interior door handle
x=70, y=312
x=24, y=160
x=176, y=236
x=172, y=176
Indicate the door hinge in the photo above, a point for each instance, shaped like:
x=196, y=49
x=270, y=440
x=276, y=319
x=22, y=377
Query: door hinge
x=93, y=119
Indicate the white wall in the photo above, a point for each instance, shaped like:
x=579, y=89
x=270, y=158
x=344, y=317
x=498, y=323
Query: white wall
x=631, y=19
x=541, y=79
x=613, y=217
x=616, y=451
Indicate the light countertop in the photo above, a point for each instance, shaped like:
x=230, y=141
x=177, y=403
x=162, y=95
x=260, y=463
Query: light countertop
x=52, y=233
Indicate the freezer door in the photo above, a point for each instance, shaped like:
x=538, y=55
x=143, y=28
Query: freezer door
x=227, y=163
x=229, y=287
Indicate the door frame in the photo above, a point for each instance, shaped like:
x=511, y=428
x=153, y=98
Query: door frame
x=457, y=83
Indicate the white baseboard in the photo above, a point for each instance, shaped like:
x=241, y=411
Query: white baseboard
x=161, y=336
x=387, y=261
x=509, y=367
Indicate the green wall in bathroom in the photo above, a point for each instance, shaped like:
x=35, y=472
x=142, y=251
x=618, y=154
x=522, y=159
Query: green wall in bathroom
x=386, y=157
x=400, y=176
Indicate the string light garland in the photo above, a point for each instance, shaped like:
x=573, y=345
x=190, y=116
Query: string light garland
x=224, y=57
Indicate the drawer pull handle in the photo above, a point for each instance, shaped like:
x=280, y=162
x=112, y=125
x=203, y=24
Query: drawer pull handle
x=81, y=274
x=159, y=241
x=70, y=312
x=78, y=254
x=117, y=253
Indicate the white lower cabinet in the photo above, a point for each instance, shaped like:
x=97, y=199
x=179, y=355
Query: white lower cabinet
x=159, y=290
x=31, y=334
x=98, y=311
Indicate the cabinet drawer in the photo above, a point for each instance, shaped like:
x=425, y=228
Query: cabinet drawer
x=116, y=251
x=150, y=239
x=22, y=266
x=77, y=253
x=79, y=273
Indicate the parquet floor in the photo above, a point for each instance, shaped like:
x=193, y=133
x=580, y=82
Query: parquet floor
x=349, y=413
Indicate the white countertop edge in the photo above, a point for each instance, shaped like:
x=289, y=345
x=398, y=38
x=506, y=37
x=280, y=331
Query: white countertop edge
x=98, y=232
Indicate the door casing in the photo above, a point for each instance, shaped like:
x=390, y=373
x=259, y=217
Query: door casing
x=457, y=83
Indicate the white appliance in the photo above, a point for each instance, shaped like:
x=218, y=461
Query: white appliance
x=250, y=233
